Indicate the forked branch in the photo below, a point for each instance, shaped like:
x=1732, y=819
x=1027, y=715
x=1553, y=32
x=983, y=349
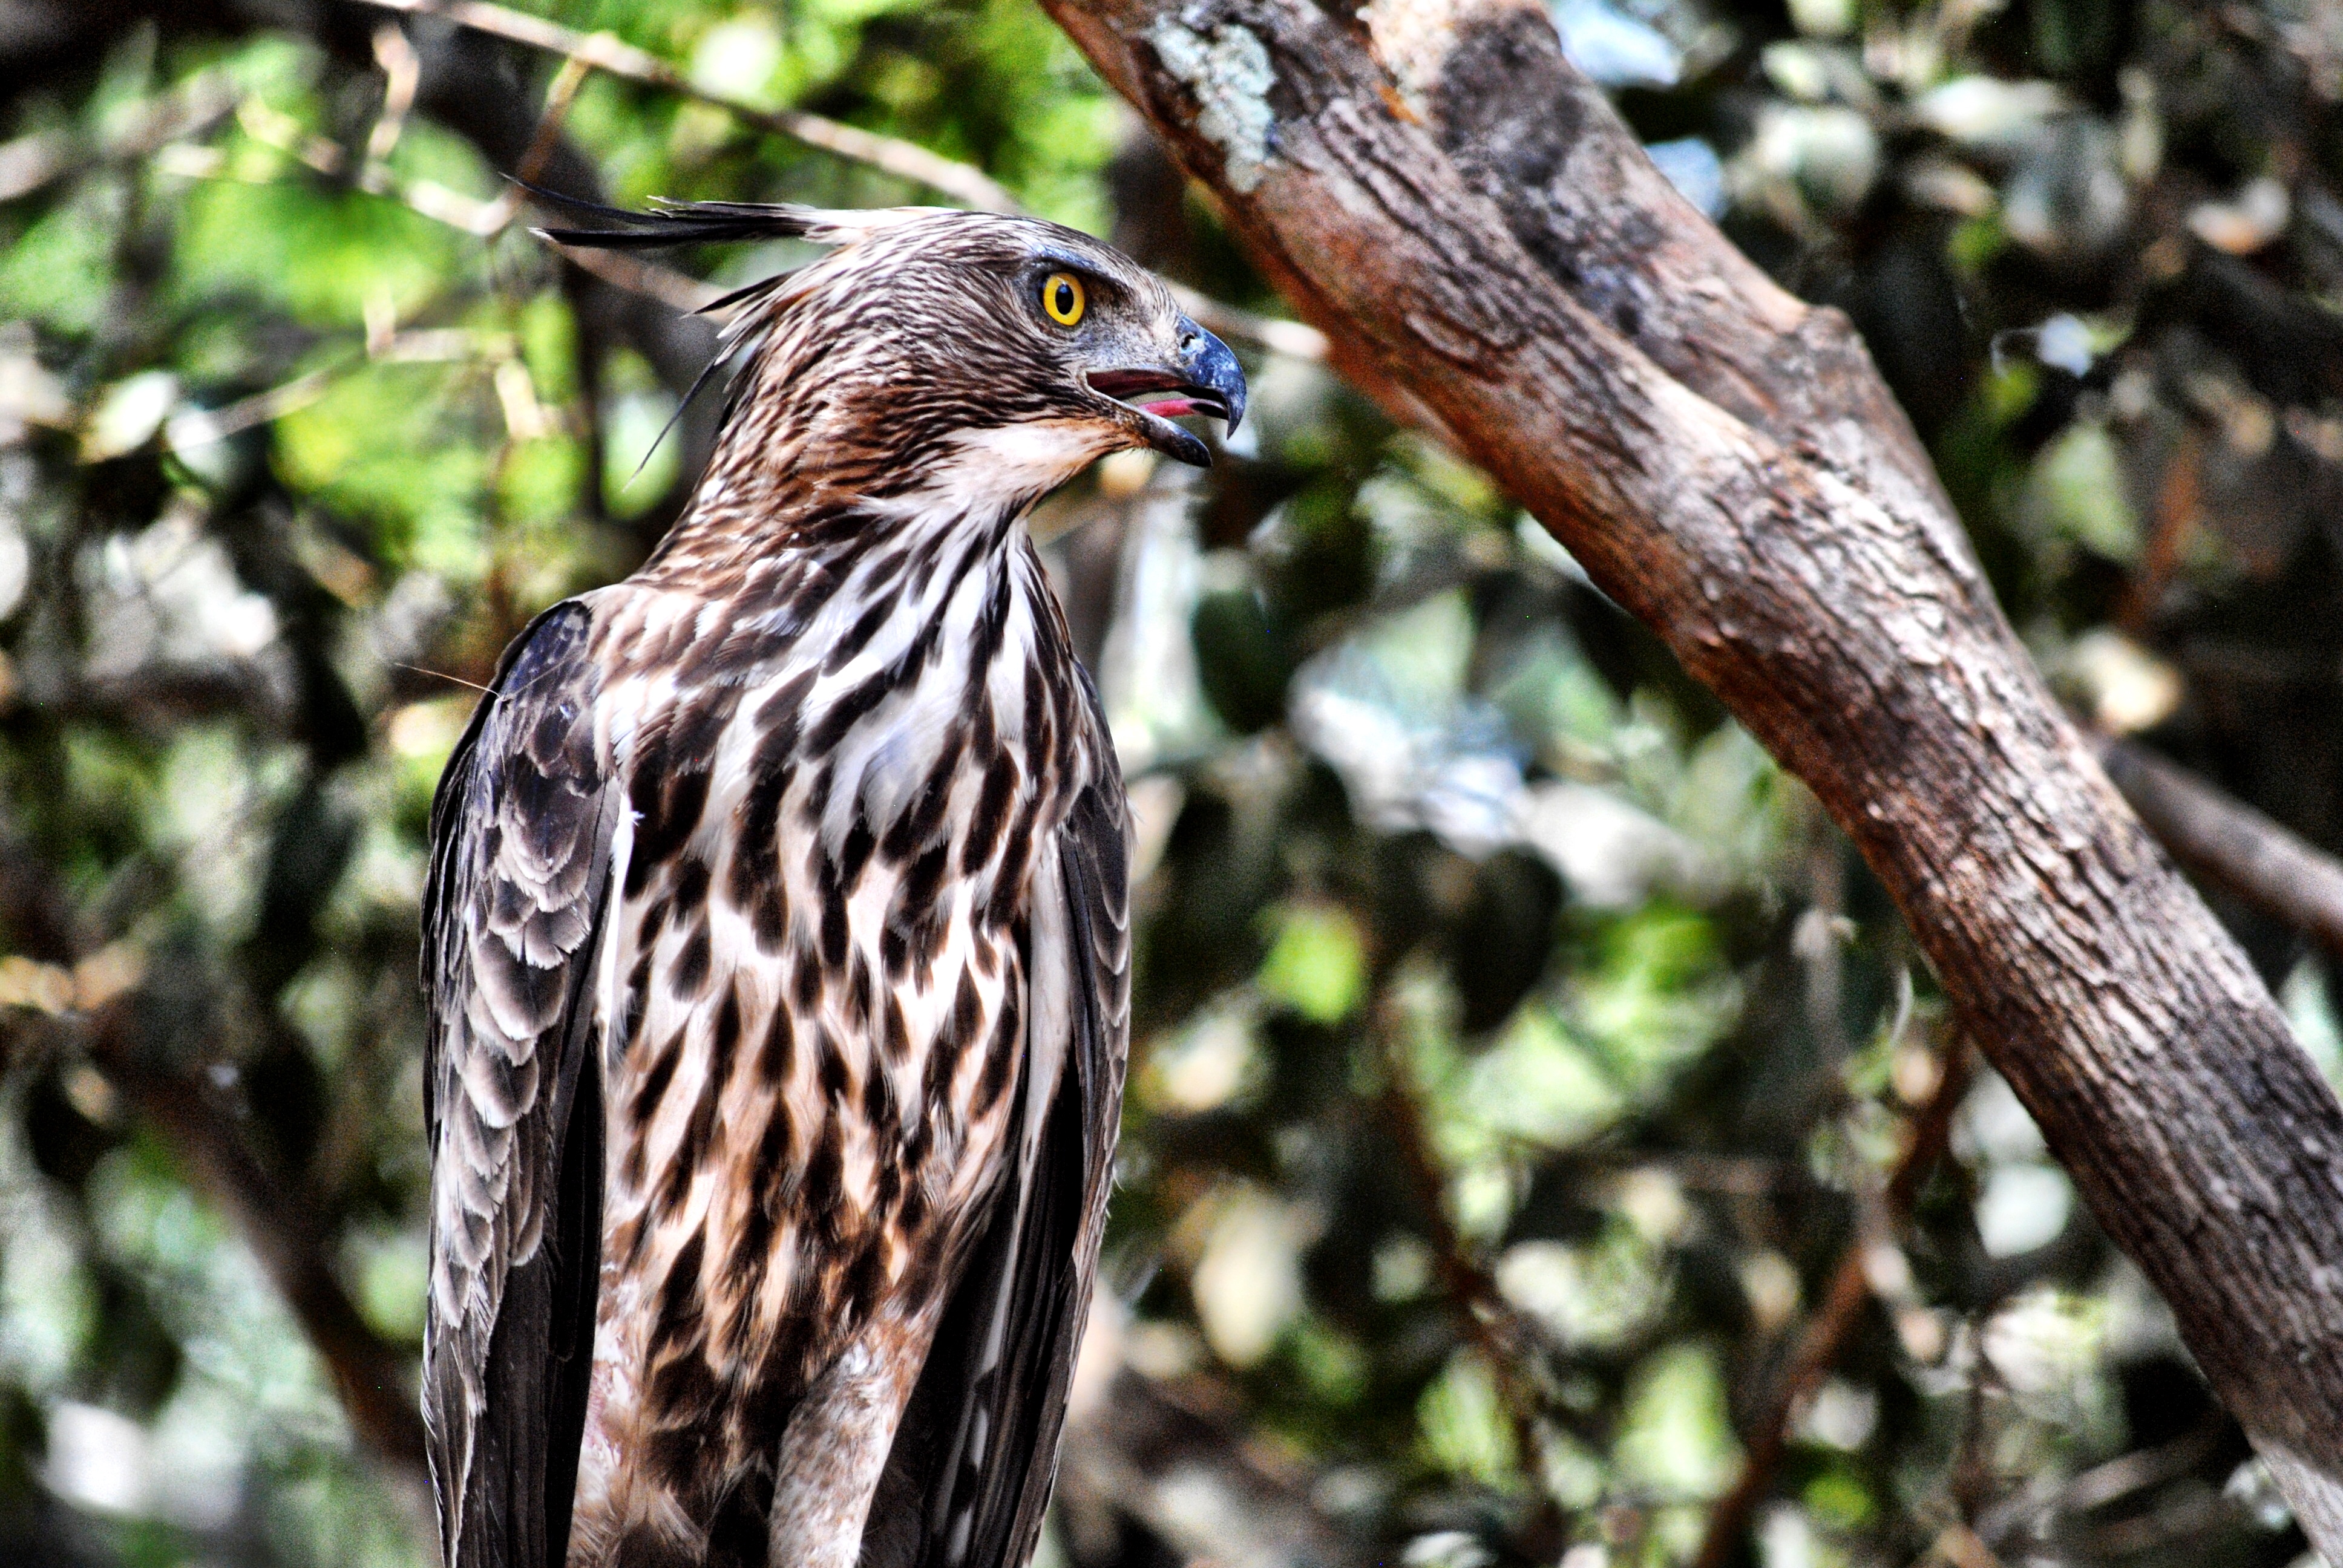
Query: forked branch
x=2231, y=844
x=1466, y=219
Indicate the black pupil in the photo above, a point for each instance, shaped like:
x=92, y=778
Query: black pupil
x=1062, y=297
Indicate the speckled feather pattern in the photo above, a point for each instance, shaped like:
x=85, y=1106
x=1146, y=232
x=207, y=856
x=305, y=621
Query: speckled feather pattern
x=777, y=948
x=822, y=994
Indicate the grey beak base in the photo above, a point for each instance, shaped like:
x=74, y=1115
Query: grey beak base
x=1206, y=375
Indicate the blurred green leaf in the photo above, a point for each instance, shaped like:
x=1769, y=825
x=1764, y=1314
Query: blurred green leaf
x=1676, y=1437
x=1316, y=964
x=1465, y=1427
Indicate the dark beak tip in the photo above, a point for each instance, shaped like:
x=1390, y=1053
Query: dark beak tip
x=1183, y=447
x=1210, y=364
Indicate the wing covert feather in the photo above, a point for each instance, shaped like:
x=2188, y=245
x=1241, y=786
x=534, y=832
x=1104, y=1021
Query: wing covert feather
x=521, y=830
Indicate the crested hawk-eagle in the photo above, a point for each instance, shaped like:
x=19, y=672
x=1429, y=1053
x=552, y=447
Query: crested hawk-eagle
x=778, y=948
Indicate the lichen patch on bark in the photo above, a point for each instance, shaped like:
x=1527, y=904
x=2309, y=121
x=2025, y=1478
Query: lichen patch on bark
x=1230, y=73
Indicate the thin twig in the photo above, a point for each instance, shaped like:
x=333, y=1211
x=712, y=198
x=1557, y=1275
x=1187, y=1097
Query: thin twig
x=402, y=73
x=2041, y=1503
x=1515, y=1345
x=2180, y=504
x=1835, y=1320
x=1157, y=1453
x=889, y=154
x=558, y=99
x=31, y=161
x=1291, y=339
x=2143, y=1468
x=679, y=291
x=2229, y=843
x=183, y=432
x=483, y=219
x=373, y=1377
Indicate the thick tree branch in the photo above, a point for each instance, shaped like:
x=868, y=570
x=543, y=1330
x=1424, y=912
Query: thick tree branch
x=1539, y=141
x=1771, y=516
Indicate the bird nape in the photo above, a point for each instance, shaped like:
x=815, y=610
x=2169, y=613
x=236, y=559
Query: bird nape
x=778, y=945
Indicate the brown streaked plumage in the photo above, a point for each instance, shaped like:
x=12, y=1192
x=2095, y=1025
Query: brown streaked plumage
x=776, y=945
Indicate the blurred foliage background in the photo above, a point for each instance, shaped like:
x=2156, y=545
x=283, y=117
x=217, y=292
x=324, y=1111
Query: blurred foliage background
x=1538, y=1118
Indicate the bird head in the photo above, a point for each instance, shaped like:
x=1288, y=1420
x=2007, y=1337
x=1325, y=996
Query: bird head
x=987, y=355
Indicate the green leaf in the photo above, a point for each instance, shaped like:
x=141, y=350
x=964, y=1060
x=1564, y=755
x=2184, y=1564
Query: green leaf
x=1466, y=1429
x=1317, y=963
x=1677, y=1438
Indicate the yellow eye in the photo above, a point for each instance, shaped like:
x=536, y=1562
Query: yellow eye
x=1063, y=298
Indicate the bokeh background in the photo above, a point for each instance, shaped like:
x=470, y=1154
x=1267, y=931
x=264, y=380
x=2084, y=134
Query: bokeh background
x=1537, y=1113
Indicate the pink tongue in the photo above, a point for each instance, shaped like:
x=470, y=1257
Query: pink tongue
x=1170, y=407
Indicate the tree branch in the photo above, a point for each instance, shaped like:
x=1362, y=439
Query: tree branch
x=1139, y=1449
x=889, y=154
x=374, y=1378
x=289, y=1238
x=31, y=161
x=1835, y=1319
x=1727, y=465
x=2231, y=844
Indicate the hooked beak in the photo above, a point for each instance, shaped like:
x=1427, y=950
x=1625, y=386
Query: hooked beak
x=1206, y=380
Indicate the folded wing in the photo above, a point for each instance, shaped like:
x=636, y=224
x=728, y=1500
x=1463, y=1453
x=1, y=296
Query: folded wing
x=979, y=1443
x=522, y=832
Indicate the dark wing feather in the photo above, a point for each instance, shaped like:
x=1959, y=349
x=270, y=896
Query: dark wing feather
x=520, y=850
x=979, y=1443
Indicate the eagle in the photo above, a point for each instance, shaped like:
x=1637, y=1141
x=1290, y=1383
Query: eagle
x=776, y=941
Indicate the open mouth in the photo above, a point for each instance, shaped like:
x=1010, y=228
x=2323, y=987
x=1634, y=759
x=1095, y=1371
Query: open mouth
x=1161, y=392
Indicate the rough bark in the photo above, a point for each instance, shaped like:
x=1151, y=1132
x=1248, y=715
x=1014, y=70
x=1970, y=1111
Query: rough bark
x=1467, y=220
